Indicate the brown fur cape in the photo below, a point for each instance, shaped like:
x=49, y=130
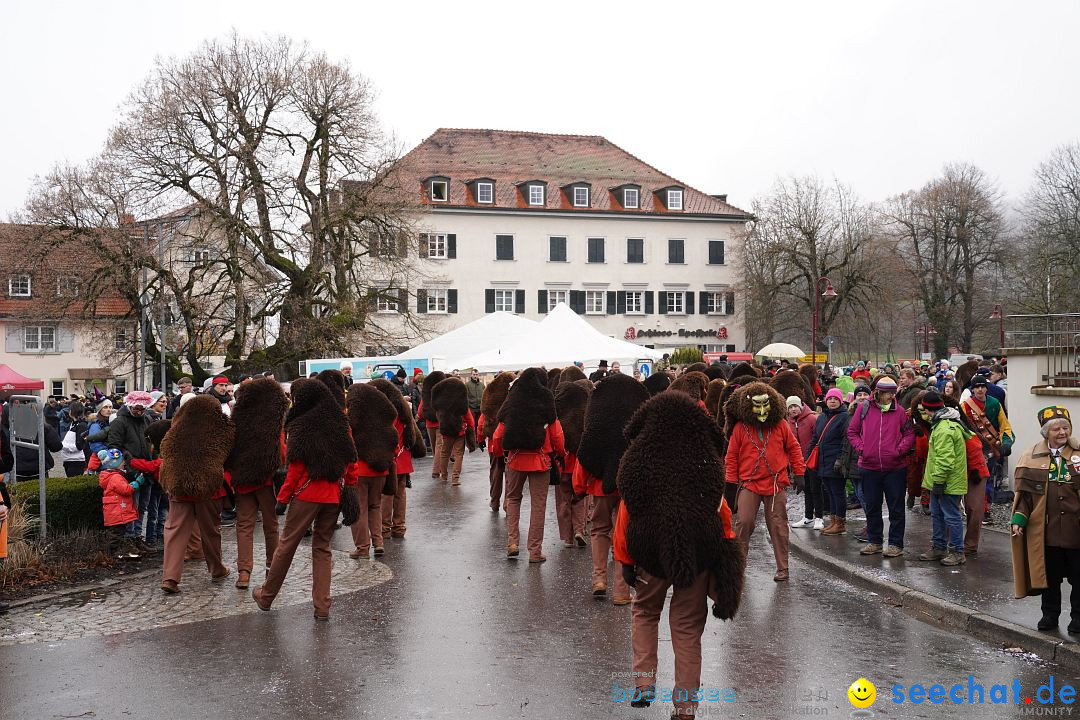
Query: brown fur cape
x=433, y=378
x=611, y=404
x=528, y=408
x=259, y=417
x=692, y=383
x=964, y=374
x=657, y=382
x=790, y=382
x=554, y=377
x=494, y=397
x=371, y=418
x=672, y=485
x=695, y=367
x=740, y=407
x=317, y=431
x=194, y=450
x=712, y=396
x=155, y=433
x=572, y=374
x=744, y=368
x=715, y=372
x=409, y=432
x=570, y=401
x=811, y=373
x=450, y=400
x=335, y=380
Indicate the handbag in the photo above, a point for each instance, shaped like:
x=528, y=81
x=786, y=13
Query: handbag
x=812, y=458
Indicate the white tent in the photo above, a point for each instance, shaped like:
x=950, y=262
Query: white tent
x=560, y=339
x=493, y=332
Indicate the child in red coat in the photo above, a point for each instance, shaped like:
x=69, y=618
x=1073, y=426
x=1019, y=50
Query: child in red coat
x=117, y=500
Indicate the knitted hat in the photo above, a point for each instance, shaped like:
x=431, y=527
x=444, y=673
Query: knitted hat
x=401, y=373
x=417, y=371
x=138, y=398
x=834, y=393
x=155, y=396
x=106, y=403
x=861, y=388
x=220, y=380
x=111, y=458
x=886, y=384
x=794, y=400
x=1054, y=412
x=932, y=401
x=185, y=397
x=979, y=381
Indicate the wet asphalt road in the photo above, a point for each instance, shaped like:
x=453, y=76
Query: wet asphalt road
x=461, y=632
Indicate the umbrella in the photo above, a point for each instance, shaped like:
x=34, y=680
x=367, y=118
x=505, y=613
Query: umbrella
x=784, y=351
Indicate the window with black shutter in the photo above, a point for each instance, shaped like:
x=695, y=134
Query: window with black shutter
x=716, y=252
x=635, y=250
x=596, y=250
x=729, y=303
x=421, y=301
x=504, y=247
x=577, y=301
x=519, y=302
x=610, y=303
x=557, y=249
x=649, y=305
x=675, y=252
x=541, y=301
x=451, y=301
x=489, y=301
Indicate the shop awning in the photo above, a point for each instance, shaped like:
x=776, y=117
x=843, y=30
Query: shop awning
x=11, y=380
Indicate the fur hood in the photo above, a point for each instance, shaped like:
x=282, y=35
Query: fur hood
x=790, y=382
x=194, y=450
x=554, y=377
x=572, y=374
x=335, y=380
x=672, y=484
x=404, y=415
x=744, y=368
x=695, y=367
x=964, y=374
x=611, y=404
x=155, y=433
x=494, y=396
x=371, y=419
x=433, y=378
x=712, y=396
x=715, y=372
x=528, y=409
x=692, y=383
x=259, y=417
x=450, y=400
x=810, y=372
x=657, y=382
x=740, y=406
x=317, y=431
x=571, y=398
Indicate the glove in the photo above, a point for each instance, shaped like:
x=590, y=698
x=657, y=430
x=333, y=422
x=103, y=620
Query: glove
x=800, y=483
x=279, y=508
x=629, y=575
x=482, y=445
x=939, y=489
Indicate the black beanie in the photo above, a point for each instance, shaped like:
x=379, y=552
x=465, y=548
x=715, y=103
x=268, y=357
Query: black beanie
x=932, y=401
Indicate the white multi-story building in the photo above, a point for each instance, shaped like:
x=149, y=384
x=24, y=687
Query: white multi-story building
x=521, y=221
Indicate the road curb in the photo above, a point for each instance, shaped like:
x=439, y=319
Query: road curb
x=90, y=587
x=944, y=613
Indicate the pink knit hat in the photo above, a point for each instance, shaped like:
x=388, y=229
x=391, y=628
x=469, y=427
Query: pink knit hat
x=835, y=393
x=138, y=397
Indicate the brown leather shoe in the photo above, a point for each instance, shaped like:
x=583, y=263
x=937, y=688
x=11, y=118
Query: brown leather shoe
x=222, y=576
x=256, y=595
x=780, y=576
x=829, y=522
x=538, y=558
x=837, y=528
x=599, y=589
x=622, y=601
x=170, y=587
x=512, y=551
x=322, y=618
x=242, y=579
x=358, y=553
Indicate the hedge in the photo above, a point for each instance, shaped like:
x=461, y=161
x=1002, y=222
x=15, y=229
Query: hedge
x=71, y=503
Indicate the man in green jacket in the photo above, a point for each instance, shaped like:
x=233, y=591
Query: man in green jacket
x=946, y=479
x=475, y=388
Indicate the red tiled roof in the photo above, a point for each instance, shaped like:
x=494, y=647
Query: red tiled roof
x=510, y=158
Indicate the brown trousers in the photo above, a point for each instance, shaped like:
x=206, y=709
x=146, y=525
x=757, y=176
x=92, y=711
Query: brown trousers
x=183, y=518
x=538, y=492
x=604, y=510
x=367, y=530
x=437, y=442
x=569, y=510
x=496, y=470
x=449, y=449
x=974, y=502
x=776, y=521
x=300, y=517
x=247, y=505
x=686, y=618
x=393, y=510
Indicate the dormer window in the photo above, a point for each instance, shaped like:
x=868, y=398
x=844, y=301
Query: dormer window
x=536, y=194
x=581, y=196
x=440, y=190
x=630, y=198
x=674, y=200
x=485, y=192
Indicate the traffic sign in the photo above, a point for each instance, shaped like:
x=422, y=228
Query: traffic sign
x=815, y=358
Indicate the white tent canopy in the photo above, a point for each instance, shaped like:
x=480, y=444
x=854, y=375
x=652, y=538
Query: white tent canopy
x=494, y=332
x=559, y=340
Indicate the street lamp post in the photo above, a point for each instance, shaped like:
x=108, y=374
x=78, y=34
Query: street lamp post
x=997, y=315
x=926, y=330
x=829, y=292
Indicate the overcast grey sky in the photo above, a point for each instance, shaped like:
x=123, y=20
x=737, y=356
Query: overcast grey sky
x=724, y=96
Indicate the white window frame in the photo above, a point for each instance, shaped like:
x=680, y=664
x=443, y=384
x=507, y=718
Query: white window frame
x=669, y=260
x=438, y=301
x=532, y=198
x=674, y=199
x=671, y=296
x=716, y=303
x=490, y=193
x=434, y=242
x=52, y=388
x=121, y=339
x=584, y=190
x=591, y=306
x=21, y=278
x=120, y=386
x=39, y=345
x=566, y=248
x=555, y=297
x=445, y=192
x=626, y=198
x=387, y=304
x=643, y=256
x=199, y=255
x=635, y=302
x=504, y=301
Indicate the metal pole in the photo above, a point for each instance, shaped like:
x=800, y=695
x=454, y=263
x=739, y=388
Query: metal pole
x=161, y=300
x=817, y=309
x=42, y=472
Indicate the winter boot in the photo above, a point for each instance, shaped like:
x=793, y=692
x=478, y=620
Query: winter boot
x=839, y=527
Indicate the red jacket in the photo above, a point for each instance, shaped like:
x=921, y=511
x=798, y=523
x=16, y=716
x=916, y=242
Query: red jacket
x=622, y=520
x=569, y=463
x=585, y=483
x=117, y=504
x=531, y=460
x=151, y=468
x=319, y=490
x=467, y=422
x=403, y=463
x=252, y=488
x=429, y=423
x=803, y=427
x=745, y=465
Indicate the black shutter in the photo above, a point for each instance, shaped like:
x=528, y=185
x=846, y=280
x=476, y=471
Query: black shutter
x=609, y=304
x=649, y=302
x=541, y=302
x=688, y=298
x=703, y=302
x=577, y=301
x=519, y=302
x=716, y=252
x=620, y=302
x=663, y=302
x=403, y=300
x=423, y=246
x=451, y=246
x=489, y=301
x=451, y=301
x=421, y=301
x=729, y=301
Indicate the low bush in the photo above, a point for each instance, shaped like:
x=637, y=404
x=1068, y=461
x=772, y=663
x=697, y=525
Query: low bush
x=71, y=503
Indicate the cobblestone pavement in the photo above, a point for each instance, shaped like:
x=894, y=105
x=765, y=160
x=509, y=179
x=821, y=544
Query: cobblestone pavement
x=139, y=604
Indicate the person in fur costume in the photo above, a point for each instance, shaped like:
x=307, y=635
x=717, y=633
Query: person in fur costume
x=371, y=419
x=457, y=426
x=713, y=392
x=259, y=450
x=674, y=530
x=744, y=369
x=321, y=458
x=426, y=412
x=570, y=401
x=693, y=383
x=790, y=382
x=193, y=455
x=658, y=382
x=763, y=456
x=572, y=374
x=393, y=506
x=811, y=374
x=337, y=382
x=610, y=407
x=554, y=378
x=494, y=396
x=695, y=367
x=530, y=435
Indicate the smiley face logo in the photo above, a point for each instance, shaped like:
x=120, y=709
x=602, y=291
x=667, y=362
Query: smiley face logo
x=862, y=693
